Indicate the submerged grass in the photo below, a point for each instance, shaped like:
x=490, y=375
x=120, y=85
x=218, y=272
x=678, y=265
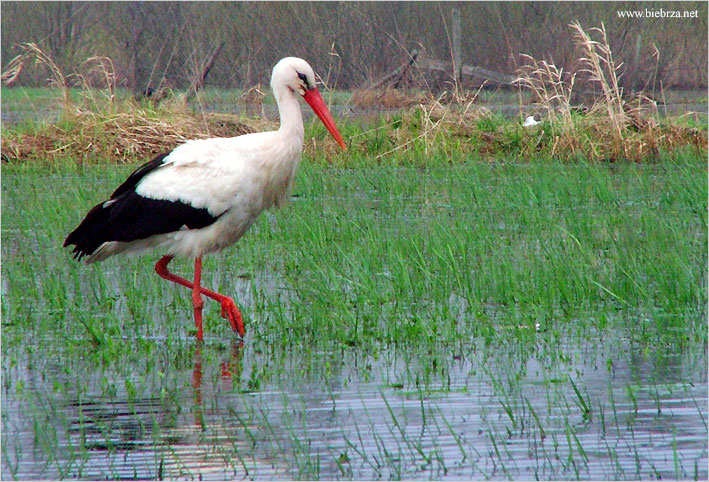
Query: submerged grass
x=453, y=266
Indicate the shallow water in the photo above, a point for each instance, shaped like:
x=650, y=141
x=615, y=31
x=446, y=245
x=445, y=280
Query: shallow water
x=509, y=111
x=469, y=412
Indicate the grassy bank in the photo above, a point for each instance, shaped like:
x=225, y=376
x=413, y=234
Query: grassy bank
x=428, y=134
x=598, y=122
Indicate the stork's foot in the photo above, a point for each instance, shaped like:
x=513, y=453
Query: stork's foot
x=231, y=312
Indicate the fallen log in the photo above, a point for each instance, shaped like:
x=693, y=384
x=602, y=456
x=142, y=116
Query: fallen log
x=396, y=75
x=469, y=70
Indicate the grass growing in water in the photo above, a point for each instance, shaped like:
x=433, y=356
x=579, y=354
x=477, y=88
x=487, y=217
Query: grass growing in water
x=453, y=266
x=445, y=263
x=343, y=263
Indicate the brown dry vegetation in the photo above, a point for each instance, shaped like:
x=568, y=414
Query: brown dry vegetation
x=100, y=127
x=87, y=137
x=478, y=133
x=610, y=126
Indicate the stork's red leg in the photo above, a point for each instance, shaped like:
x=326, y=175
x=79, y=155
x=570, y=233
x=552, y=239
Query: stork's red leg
x=229, y=309
x=197, y=301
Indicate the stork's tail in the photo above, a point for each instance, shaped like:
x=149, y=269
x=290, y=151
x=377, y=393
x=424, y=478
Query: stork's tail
x=90, y=235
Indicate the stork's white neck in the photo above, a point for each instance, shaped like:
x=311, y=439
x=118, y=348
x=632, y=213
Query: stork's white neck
x=289, y=111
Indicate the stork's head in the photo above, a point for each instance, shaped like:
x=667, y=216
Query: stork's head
x=297, y=76
x=293, y=73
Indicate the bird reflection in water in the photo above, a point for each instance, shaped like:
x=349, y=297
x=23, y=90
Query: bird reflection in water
x=230, y=376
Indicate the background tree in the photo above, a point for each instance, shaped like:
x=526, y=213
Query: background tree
x=154, y=44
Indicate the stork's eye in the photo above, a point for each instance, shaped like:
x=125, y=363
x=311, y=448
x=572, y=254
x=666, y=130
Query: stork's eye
x=303, y=78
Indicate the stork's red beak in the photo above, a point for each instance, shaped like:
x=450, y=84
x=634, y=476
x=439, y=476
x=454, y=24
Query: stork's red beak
x=316, y=102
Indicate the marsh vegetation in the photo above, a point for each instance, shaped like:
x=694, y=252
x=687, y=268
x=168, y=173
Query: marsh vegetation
x=481, y=320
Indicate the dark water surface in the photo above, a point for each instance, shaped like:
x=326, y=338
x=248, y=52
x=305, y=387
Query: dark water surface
x=471, y=412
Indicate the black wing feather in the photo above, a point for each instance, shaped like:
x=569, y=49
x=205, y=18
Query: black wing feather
x=135, y=177
x=128, y=216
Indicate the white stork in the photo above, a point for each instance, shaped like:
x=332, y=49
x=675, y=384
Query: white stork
x=202, y=196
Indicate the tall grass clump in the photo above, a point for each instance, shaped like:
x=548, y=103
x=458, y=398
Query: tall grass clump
x=603, y=71
x=551, y=87
x=31, y=52
x=615, y=126
x=95, y=123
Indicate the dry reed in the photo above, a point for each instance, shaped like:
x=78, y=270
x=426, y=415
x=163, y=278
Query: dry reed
x=99, y=126
x=615, y=126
